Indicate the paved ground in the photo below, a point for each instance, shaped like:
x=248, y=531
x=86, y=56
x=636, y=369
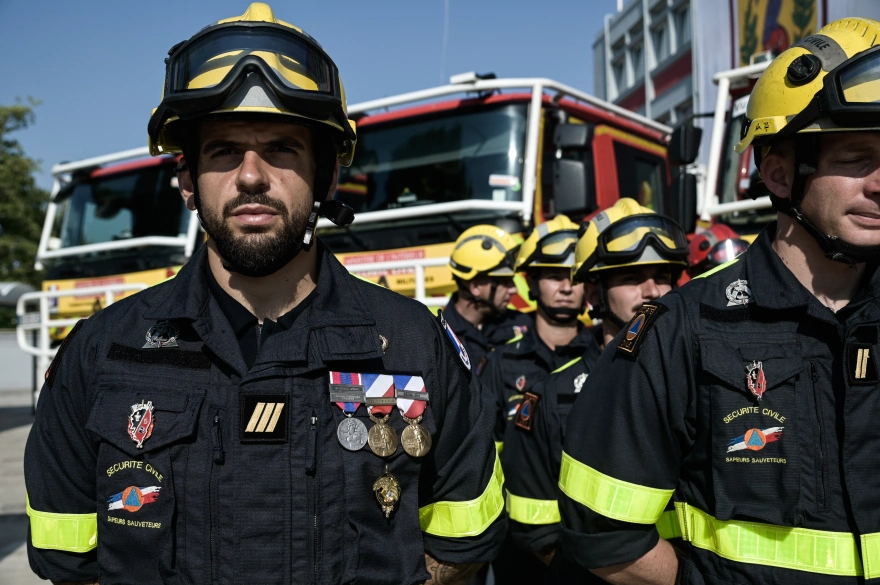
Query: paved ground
x=15, y=423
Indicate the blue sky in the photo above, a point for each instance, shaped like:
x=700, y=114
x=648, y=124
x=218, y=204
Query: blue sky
x=97, y=65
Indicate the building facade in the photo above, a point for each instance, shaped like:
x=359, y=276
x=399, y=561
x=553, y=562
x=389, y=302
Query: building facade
x=643, y=59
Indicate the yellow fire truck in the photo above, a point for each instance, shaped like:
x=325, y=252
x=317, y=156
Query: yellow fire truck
x=428, y=165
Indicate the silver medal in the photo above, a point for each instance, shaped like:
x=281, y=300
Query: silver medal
x=352, y=434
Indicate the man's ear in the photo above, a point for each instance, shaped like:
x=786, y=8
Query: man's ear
x=777, y=172
x=473, y=287
x=185, y=184
x=333, y=183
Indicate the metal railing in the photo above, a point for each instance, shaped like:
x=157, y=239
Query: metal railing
x=42, y=322
x=418, y=266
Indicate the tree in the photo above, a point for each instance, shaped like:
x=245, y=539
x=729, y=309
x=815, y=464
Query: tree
x=22, y=203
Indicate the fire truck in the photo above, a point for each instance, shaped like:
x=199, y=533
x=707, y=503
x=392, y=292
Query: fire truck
x=428, y=165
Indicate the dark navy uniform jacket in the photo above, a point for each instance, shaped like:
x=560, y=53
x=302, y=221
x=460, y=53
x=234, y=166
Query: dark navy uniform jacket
x=522, y=362
x=785, y=489
x=495, y=332
x=212, y=503
x=533, y=453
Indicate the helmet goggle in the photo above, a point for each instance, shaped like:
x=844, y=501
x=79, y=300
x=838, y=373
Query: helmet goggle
x=625, y=241
x=556, y=249
x=503, y=268
x=725, y=251
x=850, y=97
x=217, y=60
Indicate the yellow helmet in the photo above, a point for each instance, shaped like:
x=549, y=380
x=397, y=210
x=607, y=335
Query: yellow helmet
x=627, y=234
x=550, y=245
x=826, y=82
x=483, y=249
x=253, y=63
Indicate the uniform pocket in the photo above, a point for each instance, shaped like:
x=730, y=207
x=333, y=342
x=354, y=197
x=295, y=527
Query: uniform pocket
x=135, y=487
x=754, y=447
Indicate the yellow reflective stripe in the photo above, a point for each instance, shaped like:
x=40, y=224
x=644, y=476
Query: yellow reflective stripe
x=871, y=554
x=499, y=446
x=717, y=268
x=531, y=511
x=566, y=366
x=611, y=497
x=457, y=519
x=668, y=526
x=802, y=549
x=69, y=532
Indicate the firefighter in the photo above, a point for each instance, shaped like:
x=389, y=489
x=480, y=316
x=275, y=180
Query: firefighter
x=482, y=263
x=615, y=287
x=713, y=247
x=554, y=337
x=285, y=422
x=748, y=397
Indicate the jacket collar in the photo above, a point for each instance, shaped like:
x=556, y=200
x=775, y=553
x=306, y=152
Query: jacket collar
x=338, y=325
x=774, y=287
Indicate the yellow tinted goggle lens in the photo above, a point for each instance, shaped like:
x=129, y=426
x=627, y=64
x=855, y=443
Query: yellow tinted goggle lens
x=861, y=82
x=556, y=245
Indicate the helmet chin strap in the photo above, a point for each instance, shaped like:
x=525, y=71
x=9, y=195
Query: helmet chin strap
x=603, y=311
x=563, y=315
x=467, y=295
x=834, y=248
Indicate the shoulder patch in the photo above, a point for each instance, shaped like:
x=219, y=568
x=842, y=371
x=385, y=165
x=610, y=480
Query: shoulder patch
x=56, y=361
x=634, y=334
x=525, y=414
x=457, y=345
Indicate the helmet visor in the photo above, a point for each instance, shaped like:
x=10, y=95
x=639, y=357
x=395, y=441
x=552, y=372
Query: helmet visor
x=851, y=93
x=203, y=72
x=725, y=251
x=626, y=241
x=556, y=248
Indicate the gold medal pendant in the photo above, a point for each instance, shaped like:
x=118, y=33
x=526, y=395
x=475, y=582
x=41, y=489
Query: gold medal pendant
x=382, y=438
x=416, y=440
x=387, y=491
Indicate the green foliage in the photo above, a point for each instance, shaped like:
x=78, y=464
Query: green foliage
x=22, y=203
x=750, y=35
x=802, y=16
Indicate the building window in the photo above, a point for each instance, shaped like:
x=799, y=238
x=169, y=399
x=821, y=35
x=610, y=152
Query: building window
x=618, y=68
x=637, y=54
x=683, y=25
x=683, y=110
x=660, y=36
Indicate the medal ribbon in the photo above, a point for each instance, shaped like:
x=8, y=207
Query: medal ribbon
x=352, y=378
x=408, y=407
x=378, y=386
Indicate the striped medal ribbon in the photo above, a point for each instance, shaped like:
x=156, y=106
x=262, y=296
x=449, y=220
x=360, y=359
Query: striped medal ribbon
x=412, y=399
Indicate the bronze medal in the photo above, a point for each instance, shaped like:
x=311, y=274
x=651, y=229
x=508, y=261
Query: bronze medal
x=382, y=438
x=416, y=440
x=387, y=491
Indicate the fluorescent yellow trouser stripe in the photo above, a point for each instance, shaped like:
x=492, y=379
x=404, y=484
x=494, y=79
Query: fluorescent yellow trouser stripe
x=457, y=519
x=611, y=497
x=531, y=511
x=802, y=549
x=566, y=366
x=668, y=526
x=70, y=532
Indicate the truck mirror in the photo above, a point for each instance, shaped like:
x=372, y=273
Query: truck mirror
x=684, y=199
x=684, y=145
x=572, y=136
x=570, y=186
x=573, y=169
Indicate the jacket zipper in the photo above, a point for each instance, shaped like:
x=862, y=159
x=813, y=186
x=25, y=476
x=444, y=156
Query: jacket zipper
x=312, y=470
x=814, y=376
x=218, y=456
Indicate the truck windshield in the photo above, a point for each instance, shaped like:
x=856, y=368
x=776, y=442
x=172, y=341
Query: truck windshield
x=450, y=157
x=115, y=207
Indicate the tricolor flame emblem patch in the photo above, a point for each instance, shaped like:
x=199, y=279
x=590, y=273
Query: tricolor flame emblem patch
x=140, y=422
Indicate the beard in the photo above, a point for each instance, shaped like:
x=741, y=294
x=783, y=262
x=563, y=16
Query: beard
x=258, y=252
